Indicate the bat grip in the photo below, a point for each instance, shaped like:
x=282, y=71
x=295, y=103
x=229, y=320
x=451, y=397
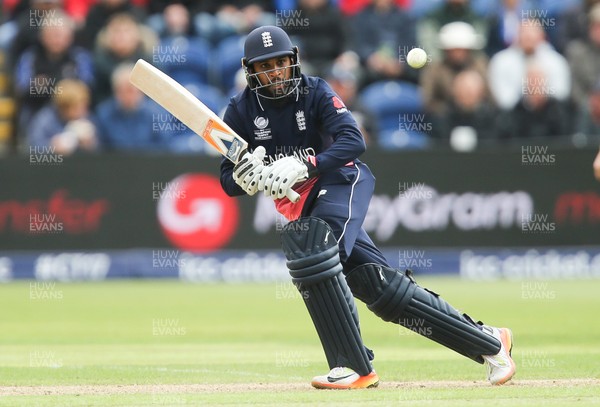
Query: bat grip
x=292, y=195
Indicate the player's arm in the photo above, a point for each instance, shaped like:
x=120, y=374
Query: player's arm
x=339, y=124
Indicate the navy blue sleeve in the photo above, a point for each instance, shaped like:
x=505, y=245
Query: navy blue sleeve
x=232, y=118
x=339, y=124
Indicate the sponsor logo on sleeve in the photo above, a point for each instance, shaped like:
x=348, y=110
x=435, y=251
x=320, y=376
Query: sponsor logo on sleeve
x=339, y=105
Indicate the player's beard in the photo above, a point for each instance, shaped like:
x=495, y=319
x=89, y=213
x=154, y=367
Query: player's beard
x=279, y=88
x=263, y=86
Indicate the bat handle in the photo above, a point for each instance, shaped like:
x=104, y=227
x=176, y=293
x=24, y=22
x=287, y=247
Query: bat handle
x=292, y=195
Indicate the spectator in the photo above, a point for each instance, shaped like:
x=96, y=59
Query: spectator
x=66, y=124
x=120, y=41
x=320, y=31
x=460, y=44
x=99, y=16
x=588, y=117
x=156, y=7
x=78, y=10
x=128, y=120
x=243, y=15
x=379, y=31
x=351, y=7
x=168, y=23
x=9, y=26
x=508, y=67
x=447, y=12
x=573, y=24
x=469, y=107
x=538, y=114
x=584, y=59
x=503, y=26
x=181, y=53
x=43, y=65
x=20, y=27
x=40, y=13
x=200, y=15
x=10, y=9
x=217, y=20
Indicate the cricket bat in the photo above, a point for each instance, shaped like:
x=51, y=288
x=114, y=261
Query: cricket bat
x=178, y=101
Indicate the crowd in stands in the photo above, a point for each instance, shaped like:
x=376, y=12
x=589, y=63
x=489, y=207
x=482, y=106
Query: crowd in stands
x=497, y=70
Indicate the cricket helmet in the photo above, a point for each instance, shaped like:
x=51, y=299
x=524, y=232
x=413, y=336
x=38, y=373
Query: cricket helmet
x=264, y=43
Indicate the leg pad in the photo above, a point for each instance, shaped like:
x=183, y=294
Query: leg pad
x=394, y=296
x=314, y=264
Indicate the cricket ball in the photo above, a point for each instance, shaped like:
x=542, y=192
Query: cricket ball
x=416, y=58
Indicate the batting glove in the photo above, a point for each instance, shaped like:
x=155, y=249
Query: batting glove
x=247, y=171
x=280, y=176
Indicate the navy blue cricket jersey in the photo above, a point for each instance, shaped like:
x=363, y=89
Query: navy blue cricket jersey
x=313, y=122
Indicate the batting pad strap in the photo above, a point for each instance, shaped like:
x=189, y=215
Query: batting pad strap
x=448, y=326
x=395, y=297
x=386, y=291
x=314, y=264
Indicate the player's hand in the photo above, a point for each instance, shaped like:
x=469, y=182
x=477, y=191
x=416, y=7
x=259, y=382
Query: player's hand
x=247, y=171
x=279, y=177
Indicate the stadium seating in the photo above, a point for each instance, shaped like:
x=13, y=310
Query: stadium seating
x=208, y=94
x=7, y=104
x=420, y=8
x=227, y=61
x=398, y=107
x=185, y=60
x=556, y=7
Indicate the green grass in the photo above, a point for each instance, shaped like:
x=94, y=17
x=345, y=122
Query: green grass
x=160, y=333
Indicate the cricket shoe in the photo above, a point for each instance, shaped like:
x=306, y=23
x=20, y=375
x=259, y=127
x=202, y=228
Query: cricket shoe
x=345, y=378
x=500, y=367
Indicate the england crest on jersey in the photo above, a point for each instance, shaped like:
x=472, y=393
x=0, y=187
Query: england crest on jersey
x=300, y=120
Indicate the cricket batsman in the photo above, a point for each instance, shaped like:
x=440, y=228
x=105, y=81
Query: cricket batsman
x=300, y=135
